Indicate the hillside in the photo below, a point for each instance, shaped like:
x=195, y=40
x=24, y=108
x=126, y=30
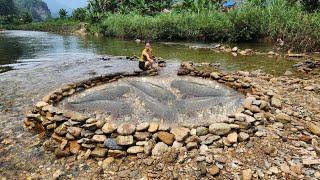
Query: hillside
x=37, y=8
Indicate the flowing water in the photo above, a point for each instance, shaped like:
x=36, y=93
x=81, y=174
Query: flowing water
x=23, y=49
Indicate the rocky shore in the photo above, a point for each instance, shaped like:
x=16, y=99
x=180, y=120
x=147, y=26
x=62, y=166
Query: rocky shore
x=274, y=136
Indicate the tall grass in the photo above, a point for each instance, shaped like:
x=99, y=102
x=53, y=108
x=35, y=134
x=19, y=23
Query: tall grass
x=56, y=25
x=298, y=29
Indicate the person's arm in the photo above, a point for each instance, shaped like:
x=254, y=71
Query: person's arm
x=148, y=57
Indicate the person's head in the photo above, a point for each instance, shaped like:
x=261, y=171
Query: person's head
x=147, y=45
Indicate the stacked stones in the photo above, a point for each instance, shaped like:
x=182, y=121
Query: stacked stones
x=75, y=133
x=235, y=51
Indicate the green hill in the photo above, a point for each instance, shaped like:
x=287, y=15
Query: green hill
x=37, y=8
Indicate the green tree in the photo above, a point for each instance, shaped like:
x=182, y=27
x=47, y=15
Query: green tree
x=80, y=14
x=6, y=7
x=26, y=17
x=63, y=13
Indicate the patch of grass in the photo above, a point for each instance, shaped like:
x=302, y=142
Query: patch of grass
x=57, y=25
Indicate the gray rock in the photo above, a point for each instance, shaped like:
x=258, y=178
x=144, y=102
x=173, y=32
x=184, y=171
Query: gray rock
x=243, y=136
x=201, y=131
x=159, y=149
x=219, y=128
x=112, y=144
x=210, y=139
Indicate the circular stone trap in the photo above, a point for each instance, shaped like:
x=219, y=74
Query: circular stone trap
x=171, y=100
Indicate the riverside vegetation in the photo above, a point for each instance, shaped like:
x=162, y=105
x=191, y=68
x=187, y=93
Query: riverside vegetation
x=290, y=24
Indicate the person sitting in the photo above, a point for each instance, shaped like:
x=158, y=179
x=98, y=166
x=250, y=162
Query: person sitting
x=146, y=61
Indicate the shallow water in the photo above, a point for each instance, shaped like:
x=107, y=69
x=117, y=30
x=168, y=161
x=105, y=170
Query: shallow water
x=26, y=49
x=156, y=99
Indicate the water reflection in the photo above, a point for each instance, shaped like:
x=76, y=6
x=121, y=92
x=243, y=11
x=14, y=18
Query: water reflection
x=27, y=47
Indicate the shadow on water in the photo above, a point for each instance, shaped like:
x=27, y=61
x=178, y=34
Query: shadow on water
x=25, y=47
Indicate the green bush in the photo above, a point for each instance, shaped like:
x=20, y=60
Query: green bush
x=80, y=14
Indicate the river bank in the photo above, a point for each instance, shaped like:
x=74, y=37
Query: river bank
x=276, y=150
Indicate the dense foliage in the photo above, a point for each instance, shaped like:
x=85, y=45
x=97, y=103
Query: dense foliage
x=278, y=20
x=6, y=7
x=63, y=13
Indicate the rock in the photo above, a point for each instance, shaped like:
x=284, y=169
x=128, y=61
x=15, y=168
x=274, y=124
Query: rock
x=126, y=129
x=309, y=88
x=78, y=117
x=163, y=127
x=243, y=136
x=177, y=145
x=109, y=128
x=247, y=174
x=100, y=124
x=282, y=117
x=159, y=149
x=99, y=138
x=234, y=49
x=203, y=149
x=74, y=147
x=74, y=131
x=213, y=170
x=210, y=139
x=288, y=73
x=191, y=145
x=219, y=128
x=135, y=150
x=275, y=102
x=232, y=137
x=315, y=129
x=124, y=140
x=274, y=170
x=180, y=133
x=193, y=132
x=107, y=162
x=201, y=131
x=143, y=126
x=99, y=152
x=61, y=130
x=62, y=153
x=153, y=127
x=149, y=146
x=117, y=153
x=166, y=137
x=141, y=136
x=41, y=104
x=214, y=75
x=57, y=174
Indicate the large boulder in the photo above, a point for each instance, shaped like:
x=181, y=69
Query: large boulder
x=166, y=137
x=159, y=149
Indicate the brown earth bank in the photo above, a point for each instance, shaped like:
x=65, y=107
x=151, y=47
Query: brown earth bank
x=278, y=148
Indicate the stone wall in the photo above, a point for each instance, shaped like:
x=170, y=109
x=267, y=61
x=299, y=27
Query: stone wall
x=72, y=133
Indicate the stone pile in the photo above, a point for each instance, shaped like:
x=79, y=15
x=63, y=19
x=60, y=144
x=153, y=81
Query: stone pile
x=73, y=133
